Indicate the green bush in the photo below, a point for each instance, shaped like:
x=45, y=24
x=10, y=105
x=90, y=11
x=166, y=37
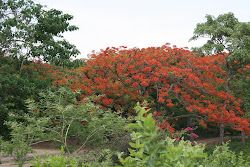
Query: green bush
x=67, y=118
x=58, y=116
x=25, y=129
x=148, y=150
x=235, y=146
x=103, y=160
x=16, y=85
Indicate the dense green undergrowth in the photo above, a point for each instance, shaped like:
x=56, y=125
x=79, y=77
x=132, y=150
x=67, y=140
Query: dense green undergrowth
x=147, y=150
x=235, y=146
x=104, y=138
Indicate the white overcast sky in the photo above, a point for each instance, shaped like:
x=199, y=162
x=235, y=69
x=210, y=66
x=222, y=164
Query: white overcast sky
x=140, y=23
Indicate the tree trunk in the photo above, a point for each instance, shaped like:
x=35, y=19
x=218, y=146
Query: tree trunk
x=156, y=96
x=158, y=106
x=222, y=134
x=190, y=124
x=243, y=138
x=222, y=127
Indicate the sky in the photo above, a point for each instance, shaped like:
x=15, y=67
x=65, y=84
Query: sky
x=140, y=23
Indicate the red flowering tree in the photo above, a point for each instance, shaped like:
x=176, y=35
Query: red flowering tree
x=166, y=77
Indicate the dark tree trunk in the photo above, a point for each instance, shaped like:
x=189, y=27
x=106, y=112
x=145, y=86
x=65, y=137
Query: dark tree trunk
x=190, y=124
x=158, y=106
x=222, y=127
x=243, y=138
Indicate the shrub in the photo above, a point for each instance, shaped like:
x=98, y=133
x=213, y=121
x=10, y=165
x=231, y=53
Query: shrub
x=148, y=150
x=25, y=129
x=67, y=118
x=58, y=116
x=103, y=160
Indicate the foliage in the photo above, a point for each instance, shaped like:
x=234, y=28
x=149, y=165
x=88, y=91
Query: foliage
x=235, y=146
x=82, y=121
x=53, y=161
x=240, y=89
x=17, y=86
x=225, y=33
x=59, y=114
x=64, y=161
x=223, y=156
x=25, y=129
x=28, y=30
x=149, y=151
x=230, y=38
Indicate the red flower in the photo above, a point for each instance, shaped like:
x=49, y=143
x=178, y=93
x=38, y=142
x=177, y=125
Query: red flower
x=160, y=99
x=56, y=122
x=84, y=123
x=128, y=81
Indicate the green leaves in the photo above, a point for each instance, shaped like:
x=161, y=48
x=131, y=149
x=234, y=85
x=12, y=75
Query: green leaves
x=17, y=86
x=53, y=161
x=28, y=30
x=148, y=122
x=26, y=129
x=136, y=145
x=148, y=150
x=225, y=33
x=84, y=120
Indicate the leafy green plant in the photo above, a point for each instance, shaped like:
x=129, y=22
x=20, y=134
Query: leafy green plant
x=27, y=29
x=25, y=130
x=16, y=87
x=67, y=118
x=149, y=150
x=52, y=161
x=59, y=117
x=104, y=159
x=223, y=156
x=234, y=146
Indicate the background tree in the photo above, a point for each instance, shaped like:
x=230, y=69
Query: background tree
x=28, y=30
x=16, y=87
x=229, y=37
x=240, y=89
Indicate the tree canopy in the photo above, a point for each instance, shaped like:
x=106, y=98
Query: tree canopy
x=28, y=30
x=170, y=79
x=225, y=34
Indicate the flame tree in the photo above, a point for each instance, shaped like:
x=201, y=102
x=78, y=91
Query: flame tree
x=169, y=78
